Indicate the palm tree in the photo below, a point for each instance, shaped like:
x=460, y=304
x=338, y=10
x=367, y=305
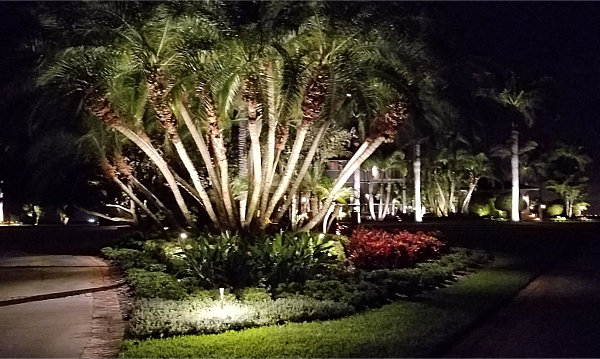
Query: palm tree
x=520, y=105
x=174, y=86
x=383, y=169
x=567, y=168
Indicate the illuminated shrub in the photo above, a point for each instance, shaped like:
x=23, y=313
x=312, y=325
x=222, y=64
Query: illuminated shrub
x=504, y=203
x=554, y=210
x=375, y=248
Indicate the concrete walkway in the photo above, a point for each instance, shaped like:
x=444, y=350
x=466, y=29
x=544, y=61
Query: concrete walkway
x=58, y=306
x=557, y=315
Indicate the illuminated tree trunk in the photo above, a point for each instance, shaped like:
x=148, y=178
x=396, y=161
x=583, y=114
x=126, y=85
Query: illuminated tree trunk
x=417, y=170
x=220, y=152
x=472, y=187
x=158, y=203
x=357, y=194
x=514, y=163
x=356, y=161
x=101, y=108
x=243, y=168
x=303, y=170
x=287, y=177
x=255, y=190
x=200, y=144
x=109, y=173
x=404, y=195
x=269, y=150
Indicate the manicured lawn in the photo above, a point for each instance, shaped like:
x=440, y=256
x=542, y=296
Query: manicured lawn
x=421, y=327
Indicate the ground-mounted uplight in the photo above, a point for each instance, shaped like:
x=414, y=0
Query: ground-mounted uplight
x=183, y=236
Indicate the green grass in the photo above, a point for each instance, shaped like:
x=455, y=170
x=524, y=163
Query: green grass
x=421, y=327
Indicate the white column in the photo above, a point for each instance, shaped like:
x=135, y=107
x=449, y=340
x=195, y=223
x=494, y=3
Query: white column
x=514, y=164
x=417, y=169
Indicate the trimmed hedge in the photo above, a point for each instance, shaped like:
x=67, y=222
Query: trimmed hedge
x=159, y=317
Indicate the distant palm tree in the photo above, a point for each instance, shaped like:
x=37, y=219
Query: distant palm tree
x=520, y=105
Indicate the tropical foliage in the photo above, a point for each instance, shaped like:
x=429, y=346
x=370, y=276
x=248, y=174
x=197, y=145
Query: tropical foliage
x=230, y=120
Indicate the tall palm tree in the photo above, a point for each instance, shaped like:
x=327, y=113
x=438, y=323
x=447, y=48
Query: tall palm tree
x=520, y=105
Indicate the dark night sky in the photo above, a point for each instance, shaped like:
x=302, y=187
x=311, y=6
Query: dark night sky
x=559, y=39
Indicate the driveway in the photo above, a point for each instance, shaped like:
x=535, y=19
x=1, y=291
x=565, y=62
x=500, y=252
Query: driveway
x=58, y=306
x=556, y=315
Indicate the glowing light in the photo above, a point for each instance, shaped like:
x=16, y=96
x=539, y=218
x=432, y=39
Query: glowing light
x=166, y=228
x=183, y=236
x=542, y=206
x=228, y=311
x=321, y=235
x=91, y=220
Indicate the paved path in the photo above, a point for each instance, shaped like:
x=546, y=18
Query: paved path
x=557, y=315
x=58, y=306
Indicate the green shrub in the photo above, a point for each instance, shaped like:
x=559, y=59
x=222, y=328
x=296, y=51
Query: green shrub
x=288, y=257
x=223, y=260
x=159, y=317
x=132, y=258
x=482, y=204
x=555, y=209
x=315, y=299
x=251, y=295
x=504, y=203
x=148, y=284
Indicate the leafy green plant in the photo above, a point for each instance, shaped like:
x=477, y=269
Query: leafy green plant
x=287, y=257
x=223, y=260
x=555, y=209
x=148, y=284
x=132, y=258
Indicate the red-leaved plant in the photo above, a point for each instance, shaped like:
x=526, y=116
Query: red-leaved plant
x=377, y=249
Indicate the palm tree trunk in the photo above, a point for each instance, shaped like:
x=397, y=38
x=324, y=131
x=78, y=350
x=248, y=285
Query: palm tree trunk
x=188, y=188
x=388, y=196
x=243, y=167
x=187, y=162
x=201, y=145
x=287, y=177
x=465, y=206
x=404, y=195
x=326, y=222
x=417, y=170
x=220, y=152
x=127, y=190
x=442, y=198
x=451, y=207
x=514, y=162
x=269, y=151
x=104, y=216
x=254, y=131
x=157, y=202
x=157, y=159
x=356, y=161
x=357, y=194
x=303, y=170
x=380, y=207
